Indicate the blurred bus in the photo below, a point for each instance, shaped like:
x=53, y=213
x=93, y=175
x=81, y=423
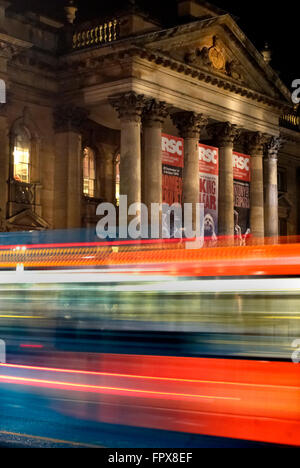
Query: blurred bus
x=151, y=297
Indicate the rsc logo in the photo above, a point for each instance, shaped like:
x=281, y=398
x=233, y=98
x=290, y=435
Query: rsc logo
x=241, y=163
x=172, y=146
x=208, y=155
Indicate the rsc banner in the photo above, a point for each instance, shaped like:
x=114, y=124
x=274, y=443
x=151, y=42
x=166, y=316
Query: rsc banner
x=242, y=179
x=172, y=166
x=209, y=187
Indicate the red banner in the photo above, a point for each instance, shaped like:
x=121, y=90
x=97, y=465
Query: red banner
x=241, y=167
x=208, y=187
x=242, y=178
x=208, y=159
x=172, y=165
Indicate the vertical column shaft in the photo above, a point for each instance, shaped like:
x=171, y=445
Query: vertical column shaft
x=271, y=188
x=68, y=166
x=74, y=187
x=224, y=135
x=4, y=175
x=190, y=181
x=226, y=193
x=189, y=125
x=130, y=107
x=255, y=142
x=130, y=162
x=154, y=116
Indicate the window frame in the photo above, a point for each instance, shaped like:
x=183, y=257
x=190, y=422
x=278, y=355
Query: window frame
x=89, y=194
x=20, y=132
x=117, y=174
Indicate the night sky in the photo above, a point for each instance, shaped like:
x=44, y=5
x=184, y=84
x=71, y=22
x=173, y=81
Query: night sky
x=277, y=23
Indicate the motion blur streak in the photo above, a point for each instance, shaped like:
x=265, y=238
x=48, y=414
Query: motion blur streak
x=132, y=376
x=36, y=346
x=151, y=337
x=82, y=387
x=171, y=256
x=227, y=398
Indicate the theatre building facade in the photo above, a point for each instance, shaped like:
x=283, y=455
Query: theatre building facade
x=124, y=105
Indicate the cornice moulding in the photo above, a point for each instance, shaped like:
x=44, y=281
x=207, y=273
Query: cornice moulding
x=182, y=34
x=215, y=79
x=13, y=41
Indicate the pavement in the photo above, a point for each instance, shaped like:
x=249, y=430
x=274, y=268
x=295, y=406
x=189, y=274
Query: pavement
x=29, y=420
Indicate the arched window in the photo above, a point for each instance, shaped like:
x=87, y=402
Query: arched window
x=89, y=172
x=21, y=155
x=117, y=180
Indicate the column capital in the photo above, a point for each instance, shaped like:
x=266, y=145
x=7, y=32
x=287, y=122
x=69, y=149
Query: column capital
x=69, y=118
x=255, y=141
x=272, y=147
x=225, y=133
x=189, y=124
x=155, y=113
x=129, y=105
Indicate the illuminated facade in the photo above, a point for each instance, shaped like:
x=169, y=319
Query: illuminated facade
x=87, y=105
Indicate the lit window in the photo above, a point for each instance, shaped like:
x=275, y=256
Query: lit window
x=21, y=157
x=117, y=188
x=89, y=173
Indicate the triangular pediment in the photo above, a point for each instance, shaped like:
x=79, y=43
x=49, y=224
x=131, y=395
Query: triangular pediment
x=26, y=220
x=219, y=47
x=284, y=202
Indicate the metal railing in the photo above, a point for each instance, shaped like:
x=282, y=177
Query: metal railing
x=290, y=121
x=101, y=34
x=22, y=192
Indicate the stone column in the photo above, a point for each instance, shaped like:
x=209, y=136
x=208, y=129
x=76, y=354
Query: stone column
x=271, y=187
x=4, y=163
x=153, y=118
x=255, y=147
x=68, y=122
x=109, y=178
x=189, y=125
x=130, y=107
x=224, y=135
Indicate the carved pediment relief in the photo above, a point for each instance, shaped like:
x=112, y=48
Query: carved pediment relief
x=26, y=220
x=207, y=55
x=220, y=48
x=214, y=57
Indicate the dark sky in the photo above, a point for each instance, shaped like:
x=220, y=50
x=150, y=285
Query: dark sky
x=275, y=22
x=262, y=20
